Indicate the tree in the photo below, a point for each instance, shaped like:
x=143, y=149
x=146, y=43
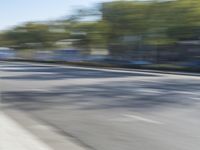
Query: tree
x=31, y=35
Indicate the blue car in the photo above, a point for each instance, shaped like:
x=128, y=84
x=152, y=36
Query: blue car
x=6, y=54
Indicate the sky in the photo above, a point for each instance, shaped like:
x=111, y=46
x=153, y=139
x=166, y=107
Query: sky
x=14, y=12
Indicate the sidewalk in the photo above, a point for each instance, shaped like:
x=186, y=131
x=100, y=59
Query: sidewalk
x=14, y=137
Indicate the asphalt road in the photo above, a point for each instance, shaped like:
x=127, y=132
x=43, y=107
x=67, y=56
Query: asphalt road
x=108, y=110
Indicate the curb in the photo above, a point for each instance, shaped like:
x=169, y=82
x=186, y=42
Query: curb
x=171, y=71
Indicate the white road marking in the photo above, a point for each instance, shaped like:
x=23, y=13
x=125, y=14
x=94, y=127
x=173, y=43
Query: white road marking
x=18, y=68
x=144, y=71
x=141, y=119
x=14, y=137
x=88, y=68
x=149, y=91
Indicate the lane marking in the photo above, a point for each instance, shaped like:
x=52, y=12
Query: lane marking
x=17, y=68
x=145, y=71
x=135, y=117
x=148, y=72
x=89, y=68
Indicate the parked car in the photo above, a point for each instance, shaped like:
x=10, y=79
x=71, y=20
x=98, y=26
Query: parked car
x=139, y=62
x=194, y=63
x=43, y=56
x=6, y=53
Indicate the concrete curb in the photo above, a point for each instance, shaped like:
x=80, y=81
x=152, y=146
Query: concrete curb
x=113, y=67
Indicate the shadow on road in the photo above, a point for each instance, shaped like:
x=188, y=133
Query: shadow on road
x=132, y=95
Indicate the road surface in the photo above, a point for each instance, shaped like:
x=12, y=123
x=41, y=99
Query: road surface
x=104, y=109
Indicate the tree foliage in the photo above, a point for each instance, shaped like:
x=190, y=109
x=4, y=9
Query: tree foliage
x=150, y=22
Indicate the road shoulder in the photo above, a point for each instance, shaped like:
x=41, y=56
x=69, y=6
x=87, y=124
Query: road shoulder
x=27, y=134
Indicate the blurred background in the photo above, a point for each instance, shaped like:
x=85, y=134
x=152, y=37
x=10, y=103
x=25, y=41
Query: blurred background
x=78, y=74
x=159, y=34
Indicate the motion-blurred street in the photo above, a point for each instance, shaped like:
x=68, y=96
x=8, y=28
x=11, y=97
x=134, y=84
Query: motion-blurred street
x=103, y=109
